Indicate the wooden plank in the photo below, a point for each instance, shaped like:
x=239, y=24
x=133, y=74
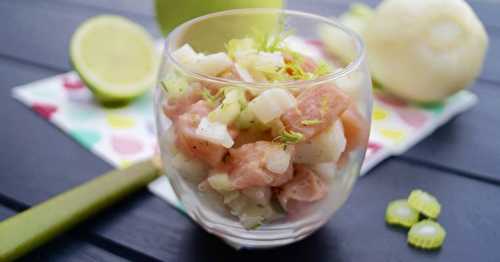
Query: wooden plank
x=491, y=67
x=64, y=248
x=141, y=8
x=356, y=233
x=5, y=212
x=44, y=37
x=35, y=40
x=468, y=142
x=487, y=11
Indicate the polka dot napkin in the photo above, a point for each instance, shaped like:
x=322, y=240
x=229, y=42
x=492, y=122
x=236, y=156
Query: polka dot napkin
x=123, y=136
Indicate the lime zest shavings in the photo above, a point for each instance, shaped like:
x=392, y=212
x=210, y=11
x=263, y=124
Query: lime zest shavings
x=311, y=122
x=289, y=137
x=425, y=203
x=399, y=213
x=426, y=234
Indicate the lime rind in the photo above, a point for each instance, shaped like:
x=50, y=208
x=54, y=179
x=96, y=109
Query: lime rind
x=399, y=213
x=425, y=203
x=110, y=59
x=426, y=234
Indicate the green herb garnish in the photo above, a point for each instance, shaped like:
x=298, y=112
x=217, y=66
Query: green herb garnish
x=254, y=227
x=270, y=42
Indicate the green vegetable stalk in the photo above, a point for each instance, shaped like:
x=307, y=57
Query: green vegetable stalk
x=41, y=223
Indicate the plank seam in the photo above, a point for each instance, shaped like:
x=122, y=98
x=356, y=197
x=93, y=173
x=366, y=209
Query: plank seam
x=447, y=169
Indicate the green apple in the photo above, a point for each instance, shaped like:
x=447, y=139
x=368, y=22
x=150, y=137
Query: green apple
x=171, y=13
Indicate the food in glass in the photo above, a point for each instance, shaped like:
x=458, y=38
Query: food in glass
x=262, y=132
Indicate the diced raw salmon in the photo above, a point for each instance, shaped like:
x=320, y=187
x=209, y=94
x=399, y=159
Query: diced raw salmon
x=248, y=166
x=188, y=141
x=355, y=128
x=324, y=103
x=304, y=187
x=173, y=109
x=356, y=131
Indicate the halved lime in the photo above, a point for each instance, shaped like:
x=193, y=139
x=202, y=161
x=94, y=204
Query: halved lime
x=115, y=57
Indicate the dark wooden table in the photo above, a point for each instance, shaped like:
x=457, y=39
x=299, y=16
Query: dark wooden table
x=460, y=163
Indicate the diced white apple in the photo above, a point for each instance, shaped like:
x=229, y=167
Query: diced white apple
x=271, y=104
x=326, y=147
x=186, y=55
x=300, y=46
x=214, y=132
x=269, y=62
x=191, y=169
x=278, y=160
x=246, y=58
x=243, y=73
x=214, y=64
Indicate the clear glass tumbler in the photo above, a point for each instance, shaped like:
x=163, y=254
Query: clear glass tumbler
x=209, y=34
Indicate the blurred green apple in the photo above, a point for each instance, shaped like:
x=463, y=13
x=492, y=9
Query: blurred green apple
x=171, y=13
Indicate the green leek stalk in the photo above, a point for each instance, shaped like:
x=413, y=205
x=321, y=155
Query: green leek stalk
x=32, y=228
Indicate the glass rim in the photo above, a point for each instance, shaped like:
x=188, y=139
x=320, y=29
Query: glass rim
x=353, y=65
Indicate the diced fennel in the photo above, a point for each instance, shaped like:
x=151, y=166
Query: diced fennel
x=271, y=104
x=245, y=119
x=191, y=169
x=225, y=113
x=230, y=196
x=214, y=132
x=230, y=107
x=175, y=86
